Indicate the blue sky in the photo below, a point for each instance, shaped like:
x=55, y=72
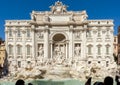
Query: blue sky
x=96, y=9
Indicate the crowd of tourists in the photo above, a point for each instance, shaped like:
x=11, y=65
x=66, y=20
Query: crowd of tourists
x=107, y=81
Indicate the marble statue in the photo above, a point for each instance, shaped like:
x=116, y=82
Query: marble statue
x=41, y=52
x=77, y=50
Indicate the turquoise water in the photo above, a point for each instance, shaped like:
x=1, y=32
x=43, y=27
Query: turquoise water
x=48, y=82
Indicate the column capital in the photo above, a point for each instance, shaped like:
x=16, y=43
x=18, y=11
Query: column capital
x=67, y=41
x=51, y=41
x=46, y=28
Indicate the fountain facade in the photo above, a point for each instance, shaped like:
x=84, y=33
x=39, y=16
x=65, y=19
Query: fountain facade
x=59, y=44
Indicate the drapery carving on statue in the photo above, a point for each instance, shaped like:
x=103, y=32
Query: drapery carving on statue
x=46, y=18
x=33, y=17
x=40, y=51
x=57, y=51
x=77, y=50
x=58, y=8
x=58, y=54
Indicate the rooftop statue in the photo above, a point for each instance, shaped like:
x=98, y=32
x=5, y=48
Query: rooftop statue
x=58, y=8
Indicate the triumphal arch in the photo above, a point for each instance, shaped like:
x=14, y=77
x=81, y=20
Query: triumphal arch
x=60, y=44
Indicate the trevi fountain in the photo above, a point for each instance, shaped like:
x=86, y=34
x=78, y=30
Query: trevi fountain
x=59, y=45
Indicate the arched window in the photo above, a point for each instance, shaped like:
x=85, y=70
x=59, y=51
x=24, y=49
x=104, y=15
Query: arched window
x=19, y=49
x=10, y=50
x=28, y=49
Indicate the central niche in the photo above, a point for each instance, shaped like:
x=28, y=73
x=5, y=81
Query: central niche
x=59, y=46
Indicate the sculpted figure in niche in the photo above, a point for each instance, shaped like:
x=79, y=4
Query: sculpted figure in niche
x=56, y=50
x=77, y=50
x=41, y=52
x=58, y=53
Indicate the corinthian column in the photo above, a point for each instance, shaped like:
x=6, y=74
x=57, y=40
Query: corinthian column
x=23, y=43
x=46, y=47
x=14, y=47
x=33, y=41
x=6, y=40
x=71, y=42
x=51, y=51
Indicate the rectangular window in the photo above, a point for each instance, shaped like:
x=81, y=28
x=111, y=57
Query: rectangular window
x=99, y=34
x=88, y=34
x=89, y=50
x=99, y=50
x=28, y=33
x=10, y=50
x=10, y=32
x=107, y=63
x=28, y=50
x=18, y=33
x=107, y=50
x=107, y=34
x=19, y=64
x=19, y=50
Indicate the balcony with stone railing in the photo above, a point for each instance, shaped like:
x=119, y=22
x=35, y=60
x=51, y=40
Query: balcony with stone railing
x=100, y=22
